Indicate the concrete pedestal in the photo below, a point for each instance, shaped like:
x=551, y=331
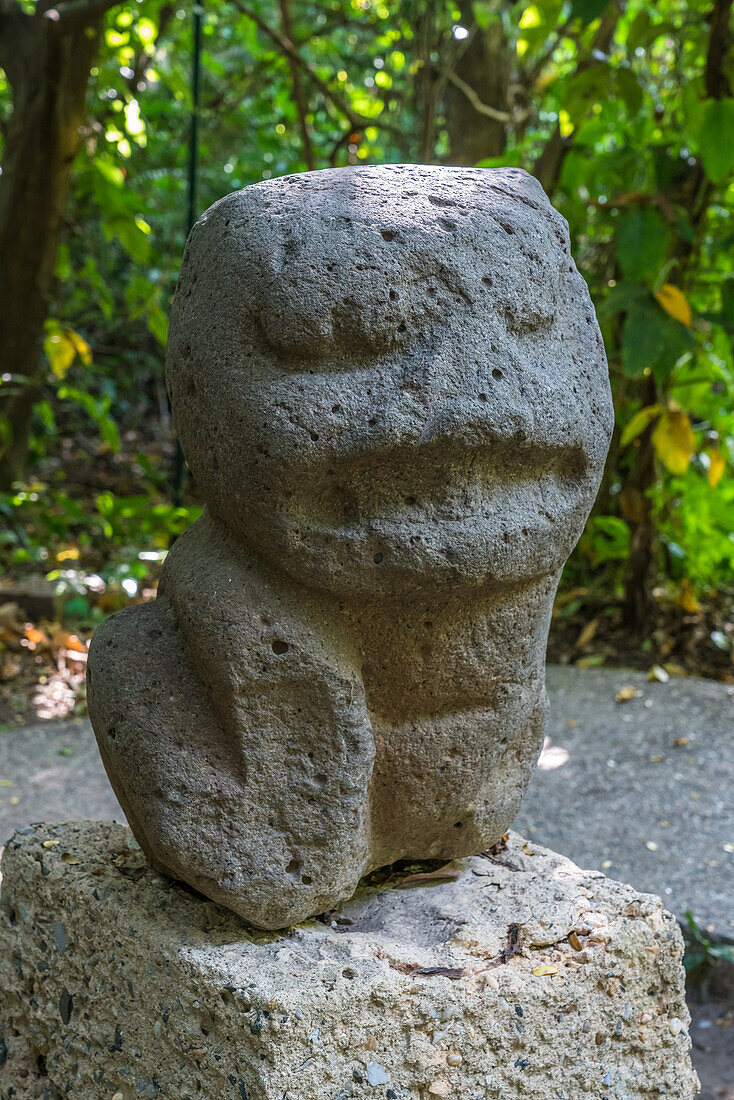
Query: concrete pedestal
x=515, y=975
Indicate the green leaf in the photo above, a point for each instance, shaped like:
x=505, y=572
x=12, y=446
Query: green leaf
x=723, y=951
x=640, y=31
x=585, y=88
x=683, y=224
x=716, y=139
x=727, y=297
x=638, y=423
x=694, y=959
x=629, y=89
x=588, y=10
x=652, y=339
x=622, y=296
x=78, y=608
x=158, y=324
x=643, y=239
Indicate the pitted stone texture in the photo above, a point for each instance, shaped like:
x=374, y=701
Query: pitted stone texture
x=115, y=980
x=391, y=387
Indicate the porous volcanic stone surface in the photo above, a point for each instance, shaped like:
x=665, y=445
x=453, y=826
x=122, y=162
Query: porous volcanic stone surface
x=117, y=982
x=390, y=386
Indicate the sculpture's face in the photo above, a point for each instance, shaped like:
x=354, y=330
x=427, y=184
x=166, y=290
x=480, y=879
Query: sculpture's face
x=383, y=389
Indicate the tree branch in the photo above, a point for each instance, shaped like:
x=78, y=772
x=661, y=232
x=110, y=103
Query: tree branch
x=481, y=108
x=73, y=14
x=298, y=96
x=16, y=38
x=146, y=56
x=717, y=82
x=286, y=47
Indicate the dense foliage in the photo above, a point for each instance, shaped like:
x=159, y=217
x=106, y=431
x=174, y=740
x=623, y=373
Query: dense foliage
x=624, y=111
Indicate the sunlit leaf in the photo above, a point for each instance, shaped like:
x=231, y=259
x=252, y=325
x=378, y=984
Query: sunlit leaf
x=62, y=346
x=60, y=351
x=674, y=302
x=133, y=122
x=638, y=423
x=674, y=441
x=716, y=466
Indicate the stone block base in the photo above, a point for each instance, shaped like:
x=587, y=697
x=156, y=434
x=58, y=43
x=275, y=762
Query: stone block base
x=514, y=975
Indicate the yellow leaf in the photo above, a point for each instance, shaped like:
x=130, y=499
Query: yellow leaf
x=638, y=423
x=626, y=693
x=587, y=633
x=673, y=441
x=687, y=598
x=545, y=971
x=61, y=352
x=83, y=349
x=716, y=466
x=675, y=303
x=530, y=18
x=62, y=345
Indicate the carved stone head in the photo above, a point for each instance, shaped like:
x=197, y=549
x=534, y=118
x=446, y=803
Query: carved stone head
x=390, y=386
x=387, y=379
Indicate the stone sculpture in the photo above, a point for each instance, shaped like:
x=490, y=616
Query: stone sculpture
x=390, y=387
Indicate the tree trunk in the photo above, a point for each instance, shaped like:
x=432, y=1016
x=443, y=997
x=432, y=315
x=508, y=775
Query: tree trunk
x=47, y=61
x=485, y=67
x=638, y=598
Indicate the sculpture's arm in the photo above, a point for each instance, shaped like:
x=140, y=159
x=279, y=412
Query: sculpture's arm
x=237, y=736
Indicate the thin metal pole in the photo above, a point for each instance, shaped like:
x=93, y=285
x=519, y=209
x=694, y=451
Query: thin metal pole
x=194, y=126
x=179, y=465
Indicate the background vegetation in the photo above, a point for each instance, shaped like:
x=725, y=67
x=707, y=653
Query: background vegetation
x=624, y=111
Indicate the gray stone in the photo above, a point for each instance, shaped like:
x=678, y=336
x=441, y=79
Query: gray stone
x=391, y=388
x=469, y=989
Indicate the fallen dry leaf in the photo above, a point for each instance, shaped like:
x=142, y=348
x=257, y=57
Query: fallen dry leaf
x=430, y=878
x=544, y=971
x=453, y=972
x=10, y=669
x=626, y=693
x=62, y=639
x=10, y=618
x=36, y=638
x=657, y=672
x=587, y=634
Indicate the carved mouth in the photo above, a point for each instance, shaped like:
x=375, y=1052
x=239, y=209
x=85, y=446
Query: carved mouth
x=508, y=509
x=424, y=486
